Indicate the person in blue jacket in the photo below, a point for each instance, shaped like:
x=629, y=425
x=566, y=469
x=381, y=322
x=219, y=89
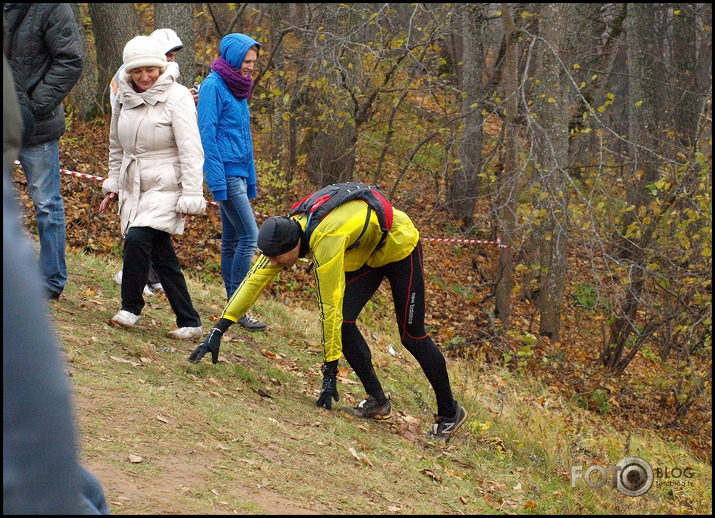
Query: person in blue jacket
x=229, y=166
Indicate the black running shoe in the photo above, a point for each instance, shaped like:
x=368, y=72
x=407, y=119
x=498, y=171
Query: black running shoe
x=444, y=427
x=249, y=323
x=368, y=407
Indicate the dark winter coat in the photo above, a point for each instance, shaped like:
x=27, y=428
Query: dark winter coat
x=44, y=50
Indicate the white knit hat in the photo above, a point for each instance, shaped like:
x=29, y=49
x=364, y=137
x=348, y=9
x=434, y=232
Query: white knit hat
x=168, y=40
x=143, y=51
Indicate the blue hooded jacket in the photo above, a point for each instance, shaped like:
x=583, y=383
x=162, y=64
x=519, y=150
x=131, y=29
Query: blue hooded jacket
x=225, y=124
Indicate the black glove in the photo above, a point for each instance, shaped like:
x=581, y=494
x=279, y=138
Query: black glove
x=329, y=391
x=211, y=343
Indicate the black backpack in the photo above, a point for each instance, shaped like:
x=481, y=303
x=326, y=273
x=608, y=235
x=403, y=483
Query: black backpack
x=320, y=203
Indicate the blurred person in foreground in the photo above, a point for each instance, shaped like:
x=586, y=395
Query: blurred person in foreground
x=41, y=472
x=351, y=256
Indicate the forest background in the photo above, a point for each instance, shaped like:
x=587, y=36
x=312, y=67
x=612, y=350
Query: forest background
x=557, y=159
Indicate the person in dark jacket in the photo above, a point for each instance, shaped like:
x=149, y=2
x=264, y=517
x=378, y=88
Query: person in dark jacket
x=44, y=51
x=229, y=167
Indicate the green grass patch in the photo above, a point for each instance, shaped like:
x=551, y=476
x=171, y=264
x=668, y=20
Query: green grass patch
x=244, y=436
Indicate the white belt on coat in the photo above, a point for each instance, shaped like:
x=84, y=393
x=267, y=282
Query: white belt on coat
x=127, y=159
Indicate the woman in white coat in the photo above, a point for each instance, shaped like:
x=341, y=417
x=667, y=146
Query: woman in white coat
x=156, y=171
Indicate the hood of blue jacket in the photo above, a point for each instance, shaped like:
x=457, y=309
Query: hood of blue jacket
x=234, y=47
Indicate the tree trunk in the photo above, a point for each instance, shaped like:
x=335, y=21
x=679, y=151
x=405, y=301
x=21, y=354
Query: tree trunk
x=602, y=40
x=704, y=68
x=180, y=18
x=110, y=37
x=466, y=180
x=685, y=118
x=82, y=99
x=508, y=176
x=331, y=155
x=644, y=135
x=551, y=153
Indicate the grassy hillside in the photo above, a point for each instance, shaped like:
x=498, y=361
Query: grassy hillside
x=243, y=436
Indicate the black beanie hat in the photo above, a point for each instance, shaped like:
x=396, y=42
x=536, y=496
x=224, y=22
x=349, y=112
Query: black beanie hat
x=278, y=235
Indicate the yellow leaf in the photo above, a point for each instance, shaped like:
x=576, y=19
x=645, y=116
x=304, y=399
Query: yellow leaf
x=552, y=100
x=576, y=66
x=639, y=103
x=270, y=354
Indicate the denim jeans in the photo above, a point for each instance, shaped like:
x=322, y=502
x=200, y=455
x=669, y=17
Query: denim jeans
x=92, y=497
x=238, y=234
x=41, y=164
x=145, y=246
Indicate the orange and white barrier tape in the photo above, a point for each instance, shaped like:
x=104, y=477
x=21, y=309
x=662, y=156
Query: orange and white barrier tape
x=426, y=239
x=465, y=241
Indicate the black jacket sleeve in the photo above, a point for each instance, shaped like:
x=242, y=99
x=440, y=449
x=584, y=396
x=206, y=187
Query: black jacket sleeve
x=64, y=66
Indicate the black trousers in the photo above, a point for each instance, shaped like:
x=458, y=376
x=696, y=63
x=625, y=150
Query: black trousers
x=145, y=246
x=153, y=277
x=406, y=279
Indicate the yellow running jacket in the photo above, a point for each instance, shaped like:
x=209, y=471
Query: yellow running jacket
x=328, y=243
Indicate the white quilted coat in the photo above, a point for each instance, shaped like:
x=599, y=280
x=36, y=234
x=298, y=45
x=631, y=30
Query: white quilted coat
x=155, y=155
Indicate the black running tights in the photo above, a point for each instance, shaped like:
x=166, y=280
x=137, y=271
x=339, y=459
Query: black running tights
x=406, y=279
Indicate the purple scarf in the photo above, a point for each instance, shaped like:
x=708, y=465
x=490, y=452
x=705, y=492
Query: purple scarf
x=239, y=85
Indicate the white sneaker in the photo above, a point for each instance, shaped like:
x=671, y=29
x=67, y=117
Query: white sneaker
x=191, y=334
x=148, y=289
x=125, y=318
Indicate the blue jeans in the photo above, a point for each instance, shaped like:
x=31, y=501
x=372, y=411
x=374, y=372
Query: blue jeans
x=92, y=497
x=41, y=164
x=238, y=234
